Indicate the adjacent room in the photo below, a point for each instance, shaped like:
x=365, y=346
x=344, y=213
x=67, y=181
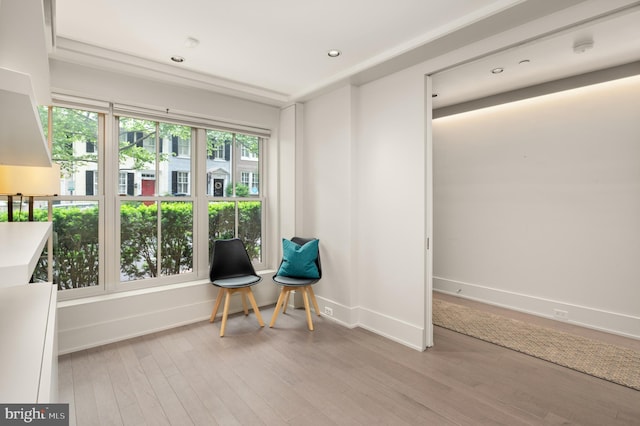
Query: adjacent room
x=140, y=139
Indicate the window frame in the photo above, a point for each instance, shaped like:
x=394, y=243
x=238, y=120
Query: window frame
x=183, y=182
x=99, y=198
x=236, y=170
x=109, y=198
x=184, y=149
x=158, y=198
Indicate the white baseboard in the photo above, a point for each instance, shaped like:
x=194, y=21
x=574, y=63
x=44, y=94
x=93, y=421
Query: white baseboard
x=610, y=322
x=96, y=321
x=342, y=314
x=383, y=325
x=392, y=328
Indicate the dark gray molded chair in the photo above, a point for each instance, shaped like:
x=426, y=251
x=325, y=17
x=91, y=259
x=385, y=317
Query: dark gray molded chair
x=232, y=271
x=303, y=285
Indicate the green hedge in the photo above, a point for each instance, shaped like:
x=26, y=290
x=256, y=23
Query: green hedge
x=222, y=224
x=75, y=246
x=76, y=238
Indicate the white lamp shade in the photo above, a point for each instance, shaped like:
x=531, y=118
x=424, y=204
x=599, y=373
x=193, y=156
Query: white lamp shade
x=27, y=180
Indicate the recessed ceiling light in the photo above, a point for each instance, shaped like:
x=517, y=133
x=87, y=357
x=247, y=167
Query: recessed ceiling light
x=334, y=53
x=191, y=42
x=178, y=59
x=497, y=70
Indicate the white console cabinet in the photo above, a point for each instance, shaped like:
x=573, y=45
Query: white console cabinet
x=29, y=352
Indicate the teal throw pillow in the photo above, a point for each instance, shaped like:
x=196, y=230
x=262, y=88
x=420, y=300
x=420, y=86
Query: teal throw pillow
x=299, y=261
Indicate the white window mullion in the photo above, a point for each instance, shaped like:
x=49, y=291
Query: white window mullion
x=156, y=183
x=159, y=237
x=111, y=183
x=200, y=204
x=103, y=137
x=232, y=168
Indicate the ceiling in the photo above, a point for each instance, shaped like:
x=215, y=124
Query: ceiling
x=275, y=51
x=603, y=42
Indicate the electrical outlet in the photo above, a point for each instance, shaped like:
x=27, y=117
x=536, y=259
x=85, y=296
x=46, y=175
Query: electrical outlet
x=328, y=311
x=560, y=314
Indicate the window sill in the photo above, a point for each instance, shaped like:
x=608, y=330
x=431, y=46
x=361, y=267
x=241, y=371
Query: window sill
x=266, y=273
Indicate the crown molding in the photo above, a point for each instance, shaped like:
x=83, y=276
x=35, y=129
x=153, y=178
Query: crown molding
x=73, y=51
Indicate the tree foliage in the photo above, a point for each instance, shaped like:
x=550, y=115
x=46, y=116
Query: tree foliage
x=71, y=126
x=132, y=148
x=218, y=138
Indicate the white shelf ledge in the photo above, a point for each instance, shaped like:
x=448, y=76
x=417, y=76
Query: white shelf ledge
x=21, y=244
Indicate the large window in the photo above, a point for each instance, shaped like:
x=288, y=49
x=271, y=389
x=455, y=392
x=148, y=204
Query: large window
x=235, y=206
x=77, y=136
x=154, y=188
x=156, y=236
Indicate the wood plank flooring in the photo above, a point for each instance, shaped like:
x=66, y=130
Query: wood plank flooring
x=331, y=376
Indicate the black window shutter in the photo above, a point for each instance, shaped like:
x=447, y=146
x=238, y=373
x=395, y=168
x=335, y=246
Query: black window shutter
x=91, y=147
x=138, y=139
x=130, y=179
x=174, y=182
x=89, y=181
x=227, y=151
x=174, y=145
x=131, y=137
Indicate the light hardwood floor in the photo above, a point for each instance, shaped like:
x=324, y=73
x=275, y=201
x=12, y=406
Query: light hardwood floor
x=333, y=375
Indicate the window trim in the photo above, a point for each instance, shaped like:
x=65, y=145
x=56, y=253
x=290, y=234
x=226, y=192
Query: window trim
x=102, y=136
x=235, y=156
x=110, y=199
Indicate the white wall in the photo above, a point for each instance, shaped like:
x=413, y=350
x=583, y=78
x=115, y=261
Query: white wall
x=324, y=172
x=93, y=83
x=537, y=205
x=290, y=137
x=389, y=192
x=364, y=162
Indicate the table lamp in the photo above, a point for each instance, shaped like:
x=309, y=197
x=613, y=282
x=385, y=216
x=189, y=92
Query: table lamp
x=30, y=182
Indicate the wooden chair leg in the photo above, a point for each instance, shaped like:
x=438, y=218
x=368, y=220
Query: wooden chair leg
x=286, y=302
x=244, y=302
x=254, y=305
x=225, y=311
x=305, y=297
x=313, y=300
x=278, y=304
x=216, y=305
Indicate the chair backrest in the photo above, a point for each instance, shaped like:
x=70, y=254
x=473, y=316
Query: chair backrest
x=229, y=258
x=302, y=241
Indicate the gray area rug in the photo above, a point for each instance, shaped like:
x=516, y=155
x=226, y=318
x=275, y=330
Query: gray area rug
x=613, y=363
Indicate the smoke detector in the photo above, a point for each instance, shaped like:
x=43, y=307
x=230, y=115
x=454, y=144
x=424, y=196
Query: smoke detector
x=582, y=46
